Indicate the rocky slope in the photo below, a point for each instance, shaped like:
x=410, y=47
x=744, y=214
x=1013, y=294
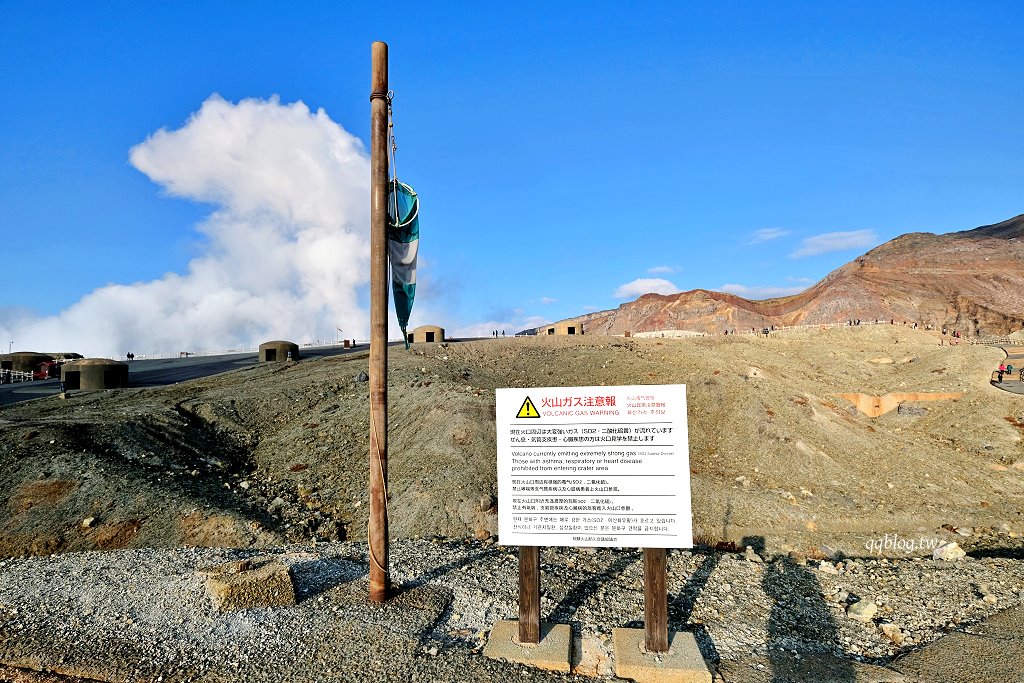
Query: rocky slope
x=968, y=281
x=277, y=452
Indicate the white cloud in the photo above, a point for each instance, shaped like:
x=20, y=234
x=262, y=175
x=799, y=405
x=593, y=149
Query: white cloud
x=641, y=286
x=835, y=241
x=767, y=234
x=547, y=300
x=286, y=247
x=661, y=270
x=763, y=292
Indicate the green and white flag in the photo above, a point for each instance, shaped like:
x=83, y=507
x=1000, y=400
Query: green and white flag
x=403, y=244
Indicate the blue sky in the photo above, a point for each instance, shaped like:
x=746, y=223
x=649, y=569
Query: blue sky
x=563, y=152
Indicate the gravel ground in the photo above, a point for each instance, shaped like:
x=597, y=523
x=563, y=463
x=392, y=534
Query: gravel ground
x=145, y=615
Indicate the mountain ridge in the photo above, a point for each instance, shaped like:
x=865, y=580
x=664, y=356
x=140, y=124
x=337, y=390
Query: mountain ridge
x=971, y=281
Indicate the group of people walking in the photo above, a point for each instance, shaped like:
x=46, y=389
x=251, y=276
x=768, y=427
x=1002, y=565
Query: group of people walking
x=1005, y=369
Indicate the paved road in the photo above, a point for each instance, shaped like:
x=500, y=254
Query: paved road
x=1014, y=357
x=163, y=371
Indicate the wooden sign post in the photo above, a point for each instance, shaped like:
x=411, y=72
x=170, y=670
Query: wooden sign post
x=377, y=529
x=529, y=594
x=655, y=597
x=655, y=600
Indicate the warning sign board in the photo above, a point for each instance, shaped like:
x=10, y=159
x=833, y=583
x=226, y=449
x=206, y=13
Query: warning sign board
x=594, y=466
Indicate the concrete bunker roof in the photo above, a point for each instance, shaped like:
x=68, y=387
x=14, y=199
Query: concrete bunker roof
x=93, y=361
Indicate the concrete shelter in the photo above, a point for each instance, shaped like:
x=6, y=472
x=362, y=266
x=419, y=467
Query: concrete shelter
x=565, y=328
x=23, y=361
x=426, y=333
x=94, y=373
x=272, y=351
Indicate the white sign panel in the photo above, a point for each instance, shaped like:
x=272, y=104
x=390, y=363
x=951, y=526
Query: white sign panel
x=594, y=466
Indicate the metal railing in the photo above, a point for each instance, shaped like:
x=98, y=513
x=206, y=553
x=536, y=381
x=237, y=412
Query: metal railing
x=772, y=330
x=825, y=326
x=998, y=341
x=14, y=376
x=226, y=352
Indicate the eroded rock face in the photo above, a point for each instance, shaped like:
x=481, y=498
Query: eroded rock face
x=966, y=281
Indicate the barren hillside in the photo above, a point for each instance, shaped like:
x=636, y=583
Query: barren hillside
x=279, y=451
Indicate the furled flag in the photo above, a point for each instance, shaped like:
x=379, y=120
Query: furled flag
x=403, y=243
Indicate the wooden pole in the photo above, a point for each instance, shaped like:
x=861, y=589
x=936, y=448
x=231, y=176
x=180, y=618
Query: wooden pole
x=529, y=594
x=655, y=600
x=377, y=531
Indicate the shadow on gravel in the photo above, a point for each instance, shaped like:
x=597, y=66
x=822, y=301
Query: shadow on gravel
x=680, y=608
x=1004, y=553
x=444, y=569
x=563, y=612
x=800, y=621
x=319, y=576
x=432, y=631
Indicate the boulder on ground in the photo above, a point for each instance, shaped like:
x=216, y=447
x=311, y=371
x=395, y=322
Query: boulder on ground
x=950, y=552
x=248, y=584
